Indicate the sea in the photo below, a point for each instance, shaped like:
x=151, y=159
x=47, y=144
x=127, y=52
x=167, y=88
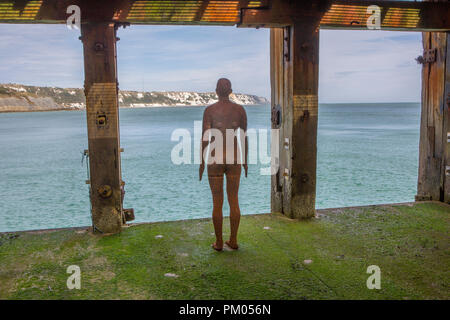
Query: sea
x=367, y=154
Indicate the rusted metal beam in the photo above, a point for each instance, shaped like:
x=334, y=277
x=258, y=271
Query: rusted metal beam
x=102, y=111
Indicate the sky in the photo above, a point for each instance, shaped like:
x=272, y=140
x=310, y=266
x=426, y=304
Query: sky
x=355, y=66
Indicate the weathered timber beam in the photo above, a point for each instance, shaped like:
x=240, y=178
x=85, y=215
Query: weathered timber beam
x=294, y=81
x=433, y=181
x=341, y=14
x=283, y=13
x=102, y=112
x=55, y=11
x=305, y=86
x=212, y=12
x=278, y=108
x=353, y=15
x=396, y=15
x=446, y=131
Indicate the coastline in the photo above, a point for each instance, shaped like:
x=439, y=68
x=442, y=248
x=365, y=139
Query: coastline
x=45, y=110
x=23, y=98
x=186, y=105
x=124, y=107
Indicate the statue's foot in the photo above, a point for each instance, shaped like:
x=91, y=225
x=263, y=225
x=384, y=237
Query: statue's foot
x=216, y=247
x=232, y=245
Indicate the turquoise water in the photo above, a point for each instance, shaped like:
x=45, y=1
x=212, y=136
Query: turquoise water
x=367, y=154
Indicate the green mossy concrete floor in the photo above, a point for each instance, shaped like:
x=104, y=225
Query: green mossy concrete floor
x=410, y=243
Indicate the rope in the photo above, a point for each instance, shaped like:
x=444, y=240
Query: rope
x=85, y=155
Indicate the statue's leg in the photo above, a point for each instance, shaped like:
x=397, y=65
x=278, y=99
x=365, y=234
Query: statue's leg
x=215, y=178
x=233, y=174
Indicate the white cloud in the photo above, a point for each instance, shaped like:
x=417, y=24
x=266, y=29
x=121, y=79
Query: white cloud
x=355, y=66
x=369, y=66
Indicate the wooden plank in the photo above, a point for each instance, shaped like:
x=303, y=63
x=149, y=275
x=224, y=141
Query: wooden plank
x=102, y=110
x=277, y=95
x=281, y=83
x=433, y=134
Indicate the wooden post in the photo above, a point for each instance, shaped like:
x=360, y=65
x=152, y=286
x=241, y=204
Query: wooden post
x=278, y=110
x=433, y=182
x=102, y=110
x=447, y=124
x=295, y=74
x=305, y=66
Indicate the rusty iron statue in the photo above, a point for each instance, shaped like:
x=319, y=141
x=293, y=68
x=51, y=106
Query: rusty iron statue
x=221, y=122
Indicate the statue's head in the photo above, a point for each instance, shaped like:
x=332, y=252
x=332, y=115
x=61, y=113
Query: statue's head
x=223, y=88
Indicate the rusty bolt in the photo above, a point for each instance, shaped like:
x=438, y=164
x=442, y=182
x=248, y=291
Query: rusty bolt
x=305, y=115
x=104, y=191
x=99, y=46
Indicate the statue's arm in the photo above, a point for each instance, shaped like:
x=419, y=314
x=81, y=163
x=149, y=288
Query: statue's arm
x=244, y=129
x=204, y=142
x=204, y=139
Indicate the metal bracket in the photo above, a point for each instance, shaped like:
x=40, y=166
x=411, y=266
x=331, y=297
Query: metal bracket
x=104, y=191
x=101, y=119
x=129, y=214
x=429, y=56
x=276, y=116
x=117, y=25
x=287, y=43
x=423, y=197
x=249, y=12
x=98, y=47
x=286, y=143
